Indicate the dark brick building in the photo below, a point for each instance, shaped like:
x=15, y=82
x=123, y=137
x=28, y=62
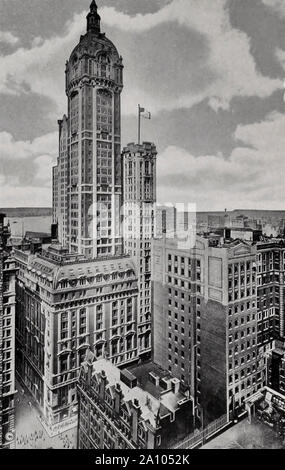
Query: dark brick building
x=205, y=322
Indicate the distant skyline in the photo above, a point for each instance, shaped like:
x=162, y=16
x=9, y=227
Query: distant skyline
x=210, y=71
x=22, y=212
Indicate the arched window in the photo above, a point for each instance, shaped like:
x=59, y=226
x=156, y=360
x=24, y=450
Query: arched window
x=104, y=59
x=104, y=65
x=90, y=67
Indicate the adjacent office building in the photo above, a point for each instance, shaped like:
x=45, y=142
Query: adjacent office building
x=174, y=310
x=206, y=324
x=227, y=349
x=276, y=368
x=7, y=343
x=139, y=170
x=270, y=286
x=271, y=324
x=138, y=408
x=67, y=304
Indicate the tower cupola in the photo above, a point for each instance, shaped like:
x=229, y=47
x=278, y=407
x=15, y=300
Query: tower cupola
x=93, y=19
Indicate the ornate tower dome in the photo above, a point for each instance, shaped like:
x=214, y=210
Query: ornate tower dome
x=95, y=56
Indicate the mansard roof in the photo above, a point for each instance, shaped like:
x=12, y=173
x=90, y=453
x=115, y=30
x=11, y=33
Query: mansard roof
x=57, y=272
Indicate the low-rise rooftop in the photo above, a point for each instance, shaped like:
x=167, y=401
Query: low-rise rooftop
x=154, y=400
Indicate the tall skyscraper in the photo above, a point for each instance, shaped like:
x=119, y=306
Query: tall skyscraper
x=7, y=343
x=139, y=168
x=88, y=175
x=58, y=319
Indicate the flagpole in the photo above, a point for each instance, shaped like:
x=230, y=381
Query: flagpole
x=139, y=125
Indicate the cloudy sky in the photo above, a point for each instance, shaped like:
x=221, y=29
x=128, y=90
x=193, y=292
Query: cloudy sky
x=210, y=71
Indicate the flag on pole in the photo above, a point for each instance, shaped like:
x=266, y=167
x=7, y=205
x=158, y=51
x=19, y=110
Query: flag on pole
x=144, y=113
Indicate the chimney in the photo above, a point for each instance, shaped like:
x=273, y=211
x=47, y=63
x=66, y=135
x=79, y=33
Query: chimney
x=118, y=398
x=103, y=384
x=89, y=372
x=175, y=385
x=136, y=411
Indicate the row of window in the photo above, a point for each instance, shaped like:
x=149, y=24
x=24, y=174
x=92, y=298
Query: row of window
x=242, y=307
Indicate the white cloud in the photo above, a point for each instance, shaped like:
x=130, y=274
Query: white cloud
x=11, y=149
x=138, y=23
x=8, y=38
x=41, y=68
x=276, y=5
x=37, y=41
x=252, y=177
x=34, y=159
x=230, y=58
x=280, y=54
x=44, y=165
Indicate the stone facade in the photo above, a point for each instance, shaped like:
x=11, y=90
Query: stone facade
x=271, y=288
x=89, y=176
x=7, y=343
x=139, y=170
x=65, y=306
x=206, y=323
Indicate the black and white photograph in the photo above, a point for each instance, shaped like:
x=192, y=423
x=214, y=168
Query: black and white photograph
x=142, y=229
